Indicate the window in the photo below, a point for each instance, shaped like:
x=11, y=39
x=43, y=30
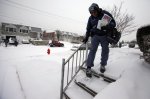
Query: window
x=23, y=31
x=10, y=28
x=14, y=29
x=7, y=29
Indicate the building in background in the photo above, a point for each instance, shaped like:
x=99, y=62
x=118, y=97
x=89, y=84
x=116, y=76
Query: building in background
x=20, y=32
x=62, y=36
x=24, y=33
x=48, y=35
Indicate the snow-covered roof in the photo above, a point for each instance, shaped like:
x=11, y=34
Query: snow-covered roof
x=35, y=29
x=11, y=26
x=70, y=33
x=24, y=27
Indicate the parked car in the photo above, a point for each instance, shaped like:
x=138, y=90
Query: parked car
x=56, y=44
x=131, y=45
x=25, y=41
x=13, y=41
x=143, y=41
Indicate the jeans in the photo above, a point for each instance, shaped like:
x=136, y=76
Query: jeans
x=95, y=41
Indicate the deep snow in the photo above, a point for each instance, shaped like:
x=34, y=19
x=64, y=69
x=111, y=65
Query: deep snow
x=28, y=72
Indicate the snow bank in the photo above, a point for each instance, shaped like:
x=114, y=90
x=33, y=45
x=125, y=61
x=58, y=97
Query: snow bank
x=134, y=81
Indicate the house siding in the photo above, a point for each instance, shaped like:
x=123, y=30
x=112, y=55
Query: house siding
x=20, y=31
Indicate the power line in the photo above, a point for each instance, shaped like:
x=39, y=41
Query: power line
x=8, y=17
x=41, y=11
x=18, y=22
x=14, y=19
x=17, y=5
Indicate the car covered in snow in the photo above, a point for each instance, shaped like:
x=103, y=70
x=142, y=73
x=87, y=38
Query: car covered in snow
x=25, y=41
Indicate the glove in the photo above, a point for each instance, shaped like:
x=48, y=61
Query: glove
x=107, y=27
x=104, y=28
x=85, y=40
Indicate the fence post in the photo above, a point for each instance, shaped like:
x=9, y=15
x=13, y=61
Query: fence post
x=62, y=79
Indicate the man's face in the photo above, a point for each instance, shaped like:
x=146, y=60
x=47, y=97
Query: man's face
x=94, y=13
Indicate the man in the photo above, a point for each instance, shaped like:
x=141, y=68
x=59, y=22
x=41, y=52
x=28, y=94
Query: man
x=6, y=42
x=99, y=23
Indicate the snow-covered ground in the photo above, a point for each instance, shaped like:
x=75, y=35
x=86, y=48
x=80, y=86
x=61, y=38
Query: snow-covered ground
x=28, y=72
x=134, y=72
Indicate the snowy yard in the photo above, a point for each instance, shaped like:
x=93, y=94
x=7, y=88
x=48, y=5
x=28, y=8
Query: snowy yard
x=28, y=72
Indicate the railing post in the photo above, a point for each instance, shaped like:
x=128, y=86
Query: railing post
x=86, y=51
x=62, y=79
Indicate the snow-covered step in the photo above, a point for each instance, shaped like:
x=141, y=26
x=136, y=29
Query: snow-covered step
x=75, y=92
x=94, y=83
x=107, y=74
x=86, y=88
x=105, y=77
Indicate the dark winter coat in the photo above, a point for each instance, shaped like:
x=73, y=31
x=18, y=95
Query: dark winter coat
x=92, y=25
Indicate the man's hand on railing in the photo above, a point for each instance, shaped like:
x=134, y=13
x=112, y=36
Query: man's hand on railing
x=85, y=40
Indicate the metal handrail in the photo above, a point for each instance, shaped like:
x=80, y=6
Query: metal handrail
x=74, y=53
x=82, y=57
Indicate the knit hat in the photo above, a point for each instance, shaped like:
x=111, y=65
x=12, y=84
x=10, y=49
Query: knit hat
x=94, y=7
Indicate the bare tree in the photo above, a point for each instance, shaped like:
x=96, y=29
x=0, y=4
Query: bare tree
x=124, y=21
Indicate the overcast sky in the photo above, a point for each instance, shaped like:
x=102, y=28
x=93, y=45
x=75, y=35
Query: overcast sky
x=67, y=15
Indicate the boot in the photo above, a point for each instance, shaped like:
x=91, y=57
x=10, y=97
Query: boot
x=102, y=69
x=88, y=72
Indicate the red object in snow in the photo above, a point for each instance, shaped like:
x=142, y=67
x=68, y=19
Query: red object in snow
x=48, y=51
